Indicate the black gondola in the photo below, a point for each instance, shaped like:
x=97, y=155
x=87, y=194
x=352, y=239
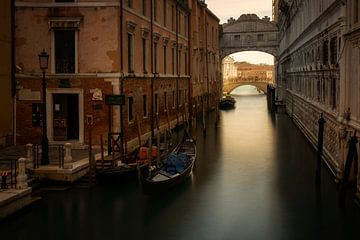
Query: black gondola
x=175, y=169
x=227, y=102
x=120, y=173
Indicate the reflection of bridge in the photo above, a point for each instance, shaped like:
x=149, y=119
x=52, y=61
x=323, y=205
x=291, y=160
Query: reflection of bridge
x=229, y=86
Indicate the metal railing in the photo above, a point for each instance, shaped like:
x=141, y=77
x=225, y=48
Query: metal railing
x=8, y=167
x=56, y=155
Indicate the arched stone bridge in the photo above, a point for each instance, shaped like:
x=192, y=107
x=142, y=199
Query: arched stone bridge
x=229, y=86
x=249, y=33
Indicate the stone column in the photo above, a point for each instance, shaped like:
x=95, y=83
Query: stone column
x=67, y=158
x=29, y=156
x=21, y=177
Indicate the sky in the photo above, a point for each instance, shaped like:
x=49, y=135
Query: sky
x=225, y=9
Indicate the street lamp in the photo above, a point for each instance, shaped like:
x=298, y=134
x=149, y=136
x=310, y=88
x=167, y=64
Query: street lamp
x=43, y=61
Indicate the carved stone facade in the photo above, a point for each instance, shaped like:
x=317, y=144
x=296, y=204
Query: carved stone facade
x=249, y=33
x=318, y=71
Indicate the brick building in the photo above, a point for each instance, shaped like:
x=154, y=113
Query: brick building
x=6, y=100
x=144, y=50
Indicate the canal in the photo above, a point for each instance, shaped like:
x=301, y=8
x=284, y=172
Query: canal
x=254, y=179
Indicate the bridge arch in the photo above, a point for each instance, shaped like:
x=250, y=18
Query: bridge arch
x=249, y=33
x=228, y=88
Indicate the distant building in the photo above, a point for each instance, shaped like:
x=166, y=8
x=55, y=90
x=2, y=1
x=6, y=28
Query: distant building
x=6, y=100
x=229, y=69
x=162, y=65
x=254, y=72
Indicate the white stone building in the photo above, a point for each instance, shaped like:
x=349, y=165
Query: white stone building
x=318, y=71
x=229, y=69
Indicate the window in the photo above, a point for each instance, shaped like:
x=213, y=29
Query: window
x=260, y=37
x=173, y=99
x=333, y=50
x=144, y=106
x=185, y=26
x=131, y=109
x=180, y=59
x=185, y=96
x=130, y=3
x=199, y=26
x=130, y=53
x=165, y=60
x=325, y=52
x=333, y=93
x=237, y=37
x=144, y=7
x=356, y=11
x=155, y=10
x=144, y=56
x=156, y=104
x=172, y=17
x=156, y=57
x=64, y=0
x=173, y=60
x=186, y=63
x=164, y=13
x=165, y=101
x=180, y=97
x=64, y=51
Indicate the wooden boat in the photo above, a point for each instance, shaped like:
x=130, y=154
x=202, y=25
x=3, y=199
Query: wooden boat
x=111, y=170
x=121, y=173
x=176, y=167
x=227, y=102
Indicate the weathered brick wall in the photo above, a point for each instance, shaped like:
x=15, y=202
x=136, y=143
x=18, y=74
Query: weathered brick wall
x=26, y=133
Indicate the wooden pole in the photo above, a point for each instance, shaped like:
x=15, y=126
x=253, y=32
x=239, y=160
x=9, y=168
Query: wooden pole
x=90, y=155
x=158, y=150
x=203, y=118
x=138, y=129
x=320, y=147
x=110, y=128
x=102, y=151
x=150, y=154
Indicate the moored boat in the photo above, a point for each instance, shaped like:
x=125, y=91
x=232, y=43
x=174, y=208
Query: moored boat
x=176, y=167
x=227, y=102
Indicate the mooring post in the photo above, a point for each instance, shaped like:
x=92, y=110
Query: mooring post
x=68, y=156
x=29, y=156
x=352, y=155
x=321, y=123
x=21, y=177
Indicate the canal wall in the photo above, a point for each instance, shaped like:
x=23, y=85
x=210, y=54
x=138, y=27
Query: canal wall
x=305, y=114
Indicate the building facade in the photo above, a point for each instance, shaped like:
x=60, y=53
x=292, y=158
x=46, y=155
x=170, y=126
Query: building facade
x=139, y=49
x=318, y=72
x=254, y=72
x=6, y=66
x=229, y=70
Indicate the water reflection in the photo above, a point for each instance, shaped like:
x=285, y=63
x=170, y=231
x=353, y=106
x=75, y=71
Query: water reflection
x=254, y=179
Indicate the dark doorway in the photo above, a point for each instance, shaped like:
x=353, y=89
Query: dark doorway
x=66, y=116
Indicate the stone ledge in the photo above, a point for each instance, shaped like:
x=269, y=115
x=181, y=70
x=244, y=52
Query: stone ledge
x=12, y=200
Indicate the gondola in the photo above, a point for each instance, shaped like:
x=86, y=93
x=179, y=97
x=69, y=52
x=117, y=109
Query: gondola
x=227, y=102
x=121, y=173
x=176, y=167
x=128, y=171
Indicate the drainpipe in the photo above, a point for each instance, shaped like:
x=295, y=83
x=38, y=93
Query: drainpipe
x=189, y=62
x=152, y=66
x=177, y=60
x=122, y=78
x=13, y=79
x=207, y=60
